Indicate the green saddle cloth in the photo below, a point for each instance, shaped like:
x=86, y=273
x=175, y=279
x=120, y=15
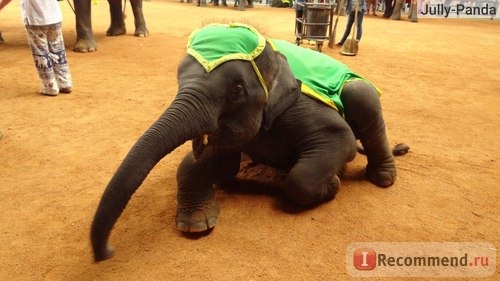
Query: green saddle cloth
x=322, y=77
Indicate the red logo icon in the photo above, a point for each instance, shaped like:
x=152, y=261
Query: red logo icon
x=365, y=259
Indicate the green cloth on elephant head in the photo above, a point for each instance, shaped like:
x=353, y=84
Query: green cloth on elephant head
x=215, y=44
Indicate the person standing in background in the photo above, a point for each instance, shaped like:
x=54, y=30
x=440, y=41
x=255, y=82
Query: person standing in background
x=43, y=23
x=351, y=12
x=373, y=5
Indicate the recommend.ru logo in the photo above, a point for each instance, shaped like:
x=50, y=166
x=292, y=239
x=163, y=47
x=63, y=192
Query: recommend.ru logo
x=421, y=259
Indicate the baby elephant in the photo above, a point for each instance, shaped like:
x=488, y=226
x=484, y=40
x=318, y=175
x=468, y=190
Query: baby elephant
x=284, y=106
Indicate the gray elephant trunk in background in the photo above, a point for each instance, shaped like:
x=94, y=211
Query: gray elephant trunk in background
x=178, y=124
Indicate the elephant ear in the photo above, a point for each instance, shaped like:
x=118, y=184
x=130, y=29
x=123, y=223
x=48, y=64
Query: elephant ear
x=284, y=90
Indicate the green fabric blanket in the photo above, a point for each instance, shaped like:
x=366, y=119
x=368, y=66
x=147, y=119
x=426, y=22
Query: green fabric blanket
x=322, y=77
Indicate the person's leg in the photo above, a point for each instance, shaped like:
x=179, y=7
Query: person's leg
x=359, y=26
x=57, y=53
x=37, y=39
x=350, y=21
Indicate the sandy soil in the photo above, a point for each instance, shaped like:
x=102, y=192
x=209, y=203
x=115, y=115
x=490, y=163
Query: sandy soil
x=57, y=154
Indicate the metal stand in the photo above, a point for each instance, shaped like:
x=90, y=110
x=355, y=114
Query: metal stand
x=316, y=23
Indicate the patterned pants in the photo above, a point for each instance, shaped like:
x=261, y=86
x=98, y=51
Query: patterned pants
x=47, y=47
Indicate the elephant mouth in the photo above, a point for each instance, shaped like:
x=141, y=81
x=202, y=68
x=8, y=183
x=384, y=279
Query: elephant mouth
x=225, y=138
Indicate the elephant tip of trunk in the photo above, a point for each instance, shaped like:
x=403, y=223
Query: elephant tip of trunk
x=103, y=254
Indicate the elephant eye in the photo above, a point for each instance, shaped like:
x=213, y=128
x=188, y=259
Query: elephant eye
x=236, y=93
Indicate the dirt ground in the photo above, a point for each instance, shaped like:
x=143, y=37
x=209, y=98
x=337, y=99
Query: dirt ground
x=441, y=84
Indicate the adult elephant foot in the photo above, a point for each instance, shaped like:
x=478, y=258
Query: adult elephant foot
x=116, y=30
x=85, y=45
x=141, y=31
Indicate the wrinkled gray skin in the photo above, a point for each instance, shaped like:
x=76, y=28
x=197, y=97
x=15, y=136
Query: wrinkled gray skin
x=85, y=41
x=290, y=131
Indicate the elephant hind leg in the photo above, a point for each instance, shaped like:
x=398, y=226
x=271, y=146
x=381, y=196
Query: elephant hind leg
x=363, y=113
x=307, y=194
x=313, y=179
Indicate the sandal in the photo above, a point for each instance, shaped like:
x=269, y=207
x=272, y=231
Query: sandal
x=66, y=90
x=47, y=94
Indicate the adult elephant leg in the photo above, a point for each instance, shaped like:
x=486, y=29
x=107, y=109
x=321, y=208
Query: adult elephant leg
x=140, y=23
x=85, y=41
x=117, y=26
x=363, y=113
x=197, y=209
x=313, y=179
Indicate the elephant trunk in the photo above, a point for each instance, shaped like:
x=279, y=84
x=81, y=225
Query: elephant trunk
x=185, y=119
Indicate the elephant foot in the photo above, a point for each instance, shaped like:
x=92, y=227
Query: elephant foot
x=85, y=45
x=116, y=30
x=195, y=218
x=382, y=175
x=141, y=32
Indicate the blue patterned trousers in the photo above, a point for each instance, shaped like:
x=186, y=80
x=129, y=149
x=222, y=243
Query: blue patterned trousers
x=49, y=55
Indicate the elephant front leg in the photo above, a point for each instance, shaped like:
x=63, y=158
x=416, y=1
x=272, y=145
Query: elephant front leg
x=117, y=26
x=140, y=23
x=197, y=209
x=85, y=41
x=363, y=113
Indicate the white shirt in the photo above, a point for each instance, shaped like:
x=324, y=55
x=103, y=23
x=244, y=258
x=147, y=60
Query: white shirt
x=40, y=12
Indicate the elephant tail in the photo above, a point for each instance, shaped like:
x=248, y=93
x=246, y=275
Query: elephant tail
x=397, y=150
